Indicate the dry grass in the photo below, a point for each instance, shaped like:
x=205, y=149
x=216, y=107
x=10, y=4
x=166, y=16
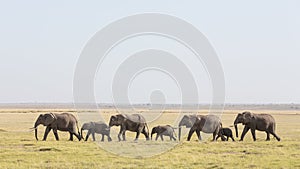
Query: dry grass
x=18, y=148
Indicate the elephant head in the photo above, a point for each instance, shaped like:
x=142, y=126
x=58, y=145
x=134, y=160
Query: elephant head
x=44, y=119
x=243, y=118
x=116, y=120
x=154, y=130
x=188, y=121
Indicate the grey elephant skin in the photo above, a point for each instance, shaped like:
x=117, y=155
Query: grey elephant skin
x=204, y=123
x=62, y=122
x=161, y=131
x=225, y=132
x=96, y=127
x=252, y=121
x=133, y=122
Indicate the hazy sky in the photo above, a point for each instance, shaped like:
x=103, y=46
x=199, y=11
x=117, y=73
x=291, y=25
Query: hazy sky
x=257, y=42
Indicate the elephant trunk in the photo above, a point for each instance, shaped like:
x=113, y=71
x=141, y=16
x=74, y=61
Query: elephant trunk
x=179, y=132
x=35, y=133
x=152, y=132
x=236, y=130
x=35, y=130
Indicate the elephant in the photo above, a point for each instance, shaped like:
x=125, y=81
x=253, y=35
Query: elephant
x=204, y=123
x=166, y=130
x=225, y=132
x=96, y=127
x=187, y=121
x=134, y=122
x=260, y=122
x=61, y=122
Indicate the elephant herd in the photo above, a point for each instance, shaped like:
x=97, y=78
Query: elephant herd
x=137, y=123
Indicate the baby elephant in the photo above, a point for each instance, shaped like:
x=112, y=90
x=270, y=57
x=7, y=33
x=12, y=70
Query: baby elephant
x=166, y=130
x=96, y=127
x=225, y=132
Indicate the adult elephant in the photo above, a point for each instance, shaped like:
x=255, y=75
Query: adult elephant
x=96, y=127
x=187, y=121
x=134, y=122
x=204, y=123
x=62, y=122
x=260, y=122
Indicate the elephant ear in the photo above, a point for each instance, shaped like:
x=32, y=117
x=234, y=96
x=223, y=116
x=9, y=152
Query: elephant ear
x=251, y=115
x=49, y=119
x=248, y=116
x=120, y=118
x=193, y=119
x=92, y=124
x=113, y=118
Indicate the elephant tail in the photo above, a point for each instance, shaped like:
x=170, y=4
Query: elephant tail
x=147, y=130
x=79, y=133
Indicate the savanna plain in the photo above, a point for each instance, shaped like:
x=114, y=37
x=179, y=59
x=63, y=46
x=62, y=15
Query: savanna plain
x=19, y=149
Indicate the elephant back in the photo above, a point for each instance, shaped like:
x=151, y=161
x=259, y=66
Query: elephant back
x=135, y=118
x=210, y=123
x=101, y=127
x=267, y=117
x=65, y=122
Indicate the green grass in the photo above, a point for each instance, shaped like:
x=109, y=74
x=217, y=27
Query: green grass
x=18, y=148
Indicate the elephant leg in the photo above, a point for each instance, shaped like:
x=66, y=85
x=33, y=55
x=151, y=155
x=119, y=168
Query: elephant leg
x=78, y=136
x=93, y=135
x=109, y=138
x=55, y=134
x=217, y=137
x=102, y=139
x=119, y=135
x=268, y=136
x=146, y=134
x=137, y=136
x=246, y=129
x=214, y=136
x=161, y=137
x=74, y=133
x=87, y=135
x=273, y=133
x=253, y=134
x=123, y=135
x=47, y=130
x=71, y=137
x=190, y=134
x=173, y=138
x=119, y=138
x=156, y=137
x=227, y=138
x=198, y=135
x=232, y=137
x=217, y=133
